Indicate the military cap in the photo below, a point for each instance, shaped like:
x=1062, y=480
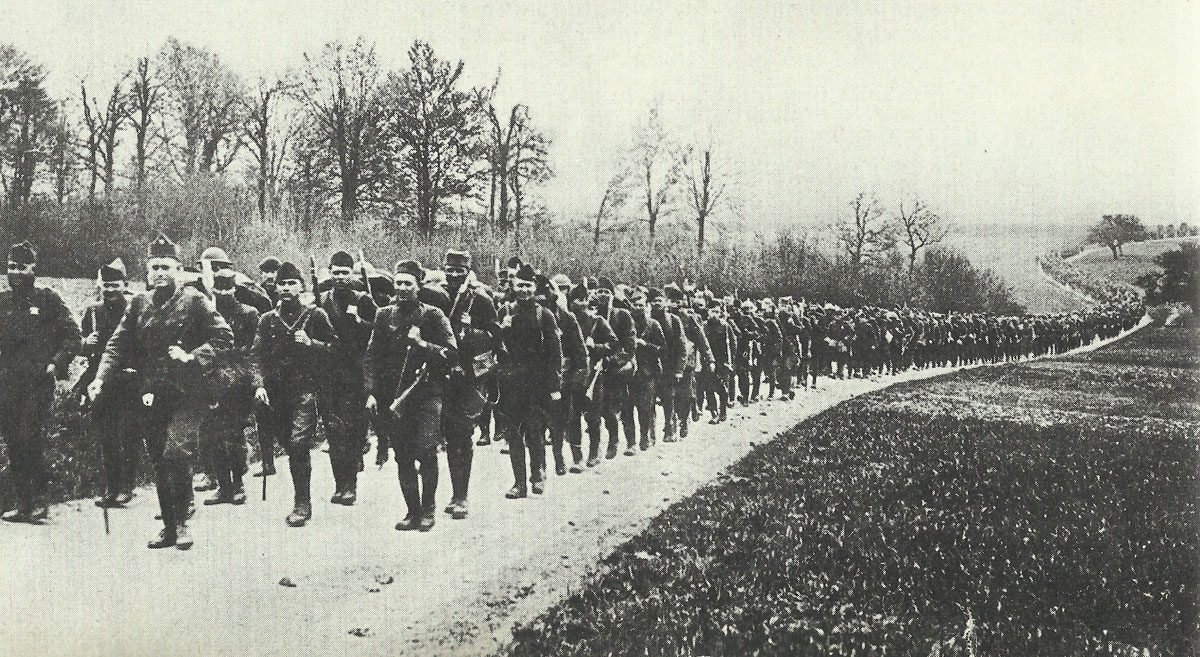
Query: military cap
x=605, y=283
x=544, y=287
x=215, y=254
x=163, y=247
x=412, y=268
x=341, y=259
x=560, y=280
x=653, y=294
x=525, y=273
x=578, y=293
x=289, y=272
x=636, y=293
x=455, y=258
x=673, y=292
x=269, y=264
x=224, y=279
x=113, y=271
x=514, y=262
x=23, y=254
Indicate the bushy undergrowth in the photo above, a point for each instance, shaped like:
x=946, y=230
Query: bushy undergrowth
x=874, y=528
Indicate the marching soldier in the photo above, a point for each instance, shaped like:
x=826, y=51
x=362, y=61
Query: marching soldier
x=650, y=344
x=699, y=359
x=245, y=290
x=293, y=346
x=674, y=363
x=342, y=396
x=476, y=330
x=267, y=268
x=620, y=362
x=169, y=335
x=564, y=423
x=530, y=377
x=223, y=429
x=723, y=343
x=408, y=360
x=38, y=341
x=114, y=418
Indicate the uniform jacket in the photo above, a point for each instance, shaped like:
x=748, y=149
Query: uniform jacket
x=393, y=361
x=35, y=331
x=102, y=320
x=187, y=319
x=534, y=356
x=695, y=334
x=575, y=352
x=673, y=357
x=651, y=346
x=476, y=326
x=353, y=330
x=282, y=362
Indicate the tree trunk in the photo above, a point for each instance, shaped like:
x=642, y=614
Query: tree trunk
x=701, y=220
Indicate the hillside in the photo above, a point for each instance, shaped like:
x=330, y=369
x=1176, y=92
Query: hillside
x=1012, y=251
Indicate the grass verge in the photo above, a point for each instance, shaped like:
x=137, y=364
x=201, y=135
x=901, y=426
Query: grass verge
x=971, y=514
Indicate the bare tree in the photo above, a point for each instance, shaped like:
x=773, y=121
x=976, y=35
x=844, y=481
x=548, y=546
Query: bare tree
x=439, y=125
x=865, y=238
x=145, y=103
x=206, y=102
x=530, y=165
x=349, y=136
x=101, y=127
x=706, y=190
x=269, y=139
x=920, y=227
x=614, y=197
x=657, y=164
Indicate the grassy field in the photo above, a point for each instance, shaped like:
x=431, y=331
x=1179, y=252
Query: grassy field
x=1136, y=259
x=1012, y=249
x=1045, y=508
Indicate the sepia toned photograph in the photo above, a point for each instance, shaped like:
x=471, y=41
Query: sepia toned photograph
x=548, y=328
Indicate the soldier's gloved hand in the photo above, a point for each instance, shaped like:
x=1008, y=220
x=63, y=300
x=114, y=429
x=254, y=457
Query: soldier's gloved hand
x=148, y=399
x=260, y=396
x=555, y=396
x=414, y=333
x=93, y=389
x=178, y=353
x=302, y=338
x=50, y=369
x=92, y=340
x=372, y=405
x=679, y=376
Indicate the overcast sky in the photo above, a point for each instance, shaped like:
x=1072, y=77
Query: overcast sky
x=1023, y=110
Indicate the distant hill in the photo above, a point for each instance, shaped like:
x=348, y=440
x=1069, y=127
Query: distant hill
x=1012, y=250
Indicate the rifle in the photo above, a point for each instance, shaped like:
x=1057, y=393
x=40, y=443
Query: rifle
x=398, y=403
x=591, y=389
x=362, y=269
x=312, y=263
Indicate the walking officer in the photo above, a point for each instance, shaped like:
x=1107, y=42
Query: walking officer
x=170, y=335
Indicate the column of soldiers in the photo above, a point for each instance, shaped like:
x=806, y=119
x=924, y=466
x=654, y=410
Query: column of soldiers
x=186, y=372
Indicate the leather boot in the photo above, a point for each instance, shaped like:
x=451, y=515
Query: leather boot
x=183, y=539
x=577, y=456
x=301, y=514
x=166, y=538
